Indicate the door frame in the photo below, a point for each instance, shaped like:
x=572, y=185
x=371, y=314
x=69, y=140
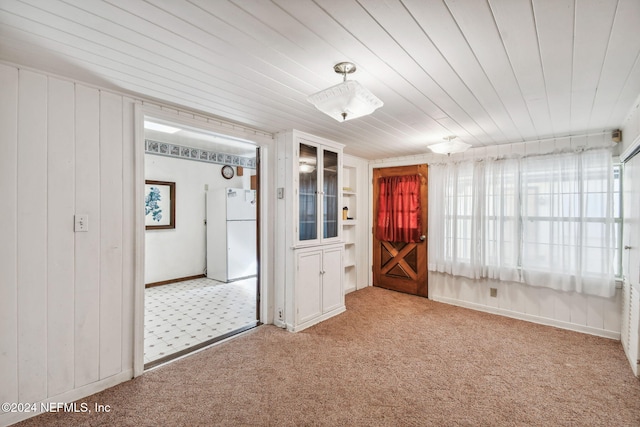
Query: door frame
x=263, y=235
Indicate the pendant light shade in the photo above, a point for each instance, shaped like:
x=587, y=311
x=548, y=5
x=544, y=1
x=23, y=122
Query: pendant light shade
x=347, y=100
x=449, y=147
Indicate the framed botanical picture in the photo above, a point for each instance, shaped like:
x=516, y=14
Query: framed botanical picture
x=159, y=205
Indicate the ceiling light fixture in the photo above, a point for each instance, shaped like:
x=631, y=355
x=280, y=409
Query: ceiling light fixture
x=449, y=147
x=347, y=100
x=160, y=128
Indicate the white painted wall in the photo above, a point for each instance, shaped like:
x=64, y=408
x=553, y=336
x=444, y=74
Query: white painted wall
x=567, y=310
x=598, y=316
x=181, y=252
x=67, y=299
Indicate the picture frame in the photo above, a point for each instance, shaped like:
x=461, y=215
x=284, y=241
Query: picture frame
x=160, y=205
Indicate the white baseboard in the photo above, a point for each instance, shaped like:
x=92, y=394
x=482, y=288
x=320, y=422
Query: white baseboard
x=279, y=323
x=325, y=316
x=530, y=318
x=6, y=419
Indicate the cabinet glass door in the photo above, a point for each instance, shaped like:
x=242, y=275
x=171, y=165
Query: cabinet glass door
x=330, y=194
x=308, y=190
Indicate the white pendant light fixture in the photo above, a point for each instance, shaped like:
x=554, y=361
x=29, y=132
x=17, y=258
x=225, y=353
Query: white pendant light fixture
x=347, y=100
x=450, y=146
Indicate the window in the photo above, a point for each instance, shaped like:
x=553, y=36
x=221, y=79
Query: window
x=542, y=220
x=617, y=218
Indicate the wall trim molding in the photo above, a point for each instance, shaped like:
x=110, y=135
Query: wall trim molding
x=179, y=279
x=188, y=153
x=529, y=318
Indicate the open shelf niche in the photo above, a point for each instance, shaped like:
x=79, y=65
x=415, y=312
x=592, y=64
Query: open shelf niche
x=350, y=225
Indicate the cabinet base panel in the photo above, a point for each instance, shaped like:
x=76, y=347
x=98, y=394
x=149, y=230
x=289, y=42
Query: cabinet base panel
x=325, y=316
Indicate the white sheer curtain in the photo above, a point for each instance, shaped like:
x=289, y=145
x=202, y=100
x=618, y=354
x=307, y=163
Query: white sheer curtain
x=567, y=222
x=501, y=219
x=473, y=221
x=545, y=220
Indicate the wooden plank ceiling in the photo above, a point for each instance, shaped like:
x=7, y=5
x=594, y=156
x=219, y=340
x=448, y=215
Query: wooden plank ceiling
x=488, y=71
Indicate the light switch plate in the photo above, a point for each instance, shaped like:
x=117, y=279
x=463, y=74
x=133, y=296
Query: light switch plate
x=81, y=223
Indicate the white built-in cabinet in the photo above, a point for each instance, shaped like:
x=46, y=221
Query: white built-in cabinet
x=309, y=213
x=317, y=177
x=318, y=284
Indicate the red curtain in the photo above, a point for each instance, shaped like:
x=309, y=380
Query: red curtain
x=399, y=209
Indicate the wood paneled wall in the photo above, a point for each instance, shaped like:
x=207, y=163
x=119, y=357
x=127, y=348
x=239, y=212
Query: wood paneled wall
x=567, y=310
x=66, y=298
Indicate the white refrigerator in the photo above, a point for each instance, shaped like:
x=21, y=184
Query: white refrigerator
x=231, y=234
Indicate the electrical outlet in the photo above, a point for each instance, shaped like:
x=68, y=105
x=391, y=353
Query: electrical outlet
x=280, y=314
x=493, y=292
x=81, y=223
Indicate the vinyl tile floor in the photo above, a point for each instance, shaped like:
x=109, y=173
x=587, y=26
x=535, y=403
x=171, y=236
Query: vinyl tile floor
x=183, y=314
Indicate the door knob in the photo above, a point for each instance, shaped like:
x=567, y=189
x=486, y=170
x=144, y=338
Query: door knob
x=422, y=238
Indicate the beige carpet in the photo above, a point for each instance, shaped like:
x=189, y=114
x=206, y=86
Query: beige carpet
x=391, y=359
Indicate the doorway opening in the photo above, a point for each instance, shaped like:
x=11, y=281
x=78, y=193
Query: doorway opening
x=201, y=234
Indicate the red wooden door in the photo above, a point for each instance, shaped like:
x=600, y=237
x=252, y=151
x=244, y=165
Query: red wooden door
x=401, y=266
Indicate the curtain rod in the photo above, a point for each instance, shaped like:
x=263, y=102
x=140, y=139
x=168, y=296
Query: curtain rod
x=556, y=137
x=522, y=156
